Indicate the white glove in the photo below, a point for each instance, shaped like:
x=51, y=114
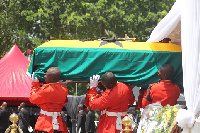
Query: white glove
x=33, y=78
x=94, y=80
x=30, y=129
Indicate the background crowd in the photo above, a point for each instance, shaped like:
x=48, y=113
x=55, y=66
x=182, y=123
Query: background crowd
x=108, y=98
x=87, y=119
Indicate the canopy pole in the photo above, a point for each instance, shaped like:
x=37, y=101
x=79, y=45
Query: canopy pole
x=76, y=89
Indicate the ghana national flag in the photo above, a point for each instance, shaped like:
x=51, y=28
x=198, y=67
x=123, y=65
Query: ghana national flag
x=136, y=63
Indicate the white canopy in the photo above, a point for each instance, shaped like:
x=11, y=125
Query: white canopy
x=167, y=26
x=188, y=11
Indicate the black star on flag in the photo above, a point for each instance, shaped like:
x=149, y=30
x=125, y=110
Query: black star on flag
x=113, y=40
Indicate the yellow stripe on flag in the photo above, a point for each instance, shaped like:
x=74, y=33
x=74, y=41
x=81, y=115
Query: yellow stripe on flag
x=126, y=45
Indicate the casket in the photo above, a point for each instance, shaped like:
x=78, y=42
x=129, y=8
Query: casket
x=135, y=63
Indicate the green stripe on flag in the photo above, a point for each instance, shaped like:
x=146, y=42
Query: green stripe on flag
x=137, y=67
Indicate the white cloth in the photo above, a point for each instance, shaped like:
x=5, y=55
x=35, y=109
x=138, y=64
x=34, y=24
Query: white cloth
x=194, y=129
x=190, y=38
x=189, y=13
x=167, y=24
x=118, y=115
x=187, y=120
x=54, y=116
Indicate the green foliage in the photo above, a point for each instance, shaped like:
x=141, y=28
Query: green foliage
x=81, y=88
x=29, y=23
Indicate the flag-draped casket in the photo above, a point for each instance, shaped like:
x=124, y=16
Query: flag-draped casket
x=135, y=63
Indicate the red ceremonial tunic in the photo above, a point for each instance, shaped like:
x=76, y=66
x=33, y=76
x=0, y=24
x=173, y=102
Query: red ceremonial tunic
x=116, y=99
x=164, y=92
x=52, y=98
x=142, y=94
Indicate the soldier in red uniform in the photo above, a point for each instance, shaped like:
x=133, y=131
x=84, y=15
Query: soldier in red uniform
x=164, y=91
x=142, y=93
x=99, y=91
x=51, y=98
x=113, y=103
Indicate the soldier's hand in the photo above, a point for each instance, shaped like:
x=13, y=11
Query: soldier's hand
x=94, y=81
x=33, y=78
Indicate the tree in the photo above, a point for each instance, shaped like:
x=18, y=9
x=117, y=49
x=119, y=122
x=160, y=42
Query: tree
x=14, y=27
x=29, y=23
x=81, y=88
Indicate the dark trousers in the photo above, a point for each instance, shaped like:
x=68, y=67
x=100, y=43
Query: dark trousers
x=2, y=130
x=55, y=131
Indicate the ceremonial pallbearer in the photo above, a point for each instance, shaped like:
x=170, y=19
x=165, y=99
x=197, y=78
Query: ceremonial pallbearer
x=113, y=103
x=51, y=98
x=164, y=91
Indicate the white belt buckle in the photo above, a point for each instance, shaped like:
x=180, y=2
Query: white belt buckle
x=55, y=121
x=103, y=112
x=54, y=116
x=119, y=121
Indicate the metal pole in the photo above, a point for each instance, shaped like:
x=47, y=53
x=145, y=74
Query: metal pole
x=74, y=126
x=76, y=89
